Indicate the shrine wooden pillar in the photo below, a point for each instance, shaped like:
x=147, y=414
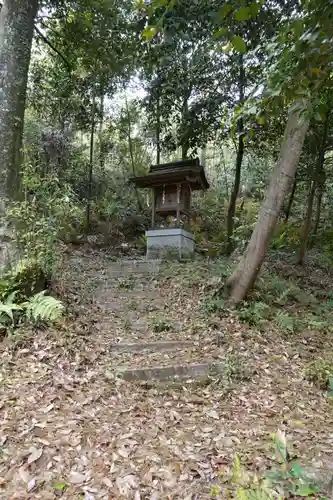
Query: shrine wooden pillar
x=179, y=186
x=153, y=211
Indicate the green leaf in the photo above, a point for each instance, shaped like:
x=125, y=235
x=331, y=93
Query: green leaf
x=305, y=490
x=261, y=120
x=297, y=471
x=255, y=8
x=243, y=14
x=149, y=32
x=330, y=382
x=238, y=44
x=298, y=28
x=222, y=32
x=60, y=485
x=224, y=11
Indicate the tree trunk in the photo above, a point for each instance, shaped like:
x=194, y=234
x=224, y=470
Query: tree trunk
x=320, y=192
x=158, y=129
x=16, y=33
x=243, y=278
x=185, y=141
x=314, y=183
x=239, y=160
x=307, y=222
x=100, y=133
x=130, y=147
x=91, y=161
x=290, y=202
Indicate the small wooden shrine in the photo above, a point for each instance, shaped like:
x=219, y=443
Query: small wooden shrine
x=172, y=185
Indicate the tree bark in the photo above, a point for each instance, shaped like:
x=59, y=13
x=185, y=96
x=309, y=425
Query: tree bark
x=239, y=160
x=312, y=191
x=243, y=278
x=16, y=33
x=91, y=161
x=100, y=133
x=158, y=128
x=290, y=201
x=130, y=147
x=185, y=141
x=320, y=192
x=307, y=222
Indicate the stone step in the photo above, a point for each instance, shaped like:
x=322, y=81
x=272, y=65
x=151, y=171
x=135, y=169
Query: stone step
x=127, y=267
x=191, y=352
x=171, y=372
x=157, y=346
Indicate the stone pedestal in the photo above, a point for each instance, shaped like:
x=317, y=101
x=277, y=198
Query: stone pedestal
x=169, y=243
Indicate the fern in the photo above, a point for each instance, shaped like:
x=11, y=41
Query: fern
x=7, y=309
x=43, y=307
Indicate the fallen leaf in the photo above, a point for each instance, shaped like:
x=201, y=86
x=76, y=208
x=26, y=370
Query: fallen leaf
x=35, y=454
x=24, y=474
x=31, y=484
x=77, y=478
x=48, y=408
x=213, y=414
x=3, y=440
x=107, y=482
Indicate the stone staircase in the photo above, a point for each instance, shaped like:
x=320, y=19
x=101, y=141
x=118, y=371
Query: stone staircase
x=126, y=295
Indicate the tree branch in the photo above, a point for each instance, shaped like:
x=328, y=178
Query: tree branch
x=45, y=40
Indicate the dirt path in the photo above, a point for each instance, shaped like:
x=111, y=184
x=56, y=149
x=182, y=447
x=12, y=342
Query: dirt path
x=70, y=428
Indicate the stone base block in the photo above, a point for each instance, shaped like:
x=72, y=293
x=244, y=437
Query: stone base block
x=170, y=243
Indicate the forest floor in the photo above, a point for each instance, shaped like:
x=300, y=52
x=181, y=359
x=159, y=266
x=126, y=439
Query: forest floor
x=70, y=428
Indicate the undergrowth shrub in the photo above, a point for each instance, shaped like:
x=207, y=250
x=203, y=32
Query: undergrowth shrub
x=46, y=215
x=286, y=235
x=253, y=313
x=286, y=480
x=319, y=372
x=38, y=308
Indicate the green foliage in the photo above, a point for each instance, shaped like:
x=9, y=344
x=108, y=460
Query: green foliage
x=212, y=305
x=288, y=480
x=161, y=325
x=38, y=308
x=46, y=215
x=126, y=284
x=286, y=236
x=319, y=372
x=235, y=370
x=41, y=307
x=285, y=322
x=254, y=313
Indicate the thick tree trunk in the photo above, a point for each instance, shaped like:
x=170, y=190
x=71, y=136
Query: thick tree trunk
x=316, y=179
x=239, y=160
x=243, y=278
x=290, y=202
x=16, y=32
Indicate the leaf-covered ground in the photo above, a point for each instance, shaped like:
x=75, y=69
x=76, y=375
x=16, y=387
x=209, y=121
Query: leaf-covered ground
x=69, y=428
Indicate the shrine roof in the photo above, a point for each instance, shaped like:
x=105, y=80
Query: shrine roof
x=170, y=173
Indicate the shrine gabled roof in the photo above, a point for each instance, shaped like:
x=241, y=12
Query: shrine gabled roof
x=170, y=173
